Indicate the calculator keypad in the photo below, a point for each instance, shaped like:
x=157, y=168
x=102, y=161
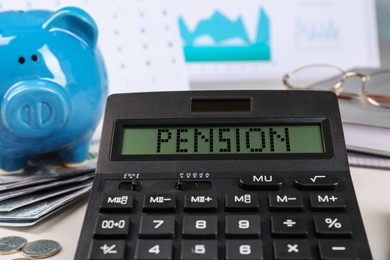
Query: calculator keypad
x=288, y=220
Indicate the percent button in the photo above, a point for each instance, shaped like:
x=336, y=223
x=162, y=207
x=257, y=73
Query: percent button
x=329, y=226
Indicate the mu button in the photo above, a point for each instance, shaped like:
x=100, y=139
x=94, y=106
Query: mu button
x=261, y=182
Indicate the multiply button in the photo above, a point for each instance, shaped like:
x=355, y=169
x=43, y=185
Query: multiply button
x=159, y=202
x=261, y=182
x=317, y=182
x=292, y=249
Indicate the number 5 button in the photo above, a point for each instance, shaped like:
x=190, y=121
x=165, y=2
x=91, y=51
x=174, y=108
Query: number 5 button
x=157, y=226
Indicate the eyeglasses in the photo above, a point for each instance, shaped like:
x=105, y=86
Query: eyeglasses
x=374, y=89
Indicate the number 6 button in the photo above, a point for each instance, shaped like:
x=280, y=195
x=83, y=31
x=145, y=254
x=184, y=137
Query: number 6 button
x=244, y=249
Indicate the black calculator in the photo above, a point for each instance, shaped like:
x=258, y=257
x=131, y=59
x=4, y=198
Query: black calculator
x=223, y=175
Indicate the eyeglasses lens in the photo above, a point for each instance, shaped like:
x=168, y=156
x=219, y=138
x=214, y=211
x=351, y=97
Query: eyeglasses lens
x=320, y=77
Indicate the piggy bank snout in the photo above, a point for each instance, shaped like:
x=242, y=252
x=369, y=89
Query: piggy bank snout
x=35, y=109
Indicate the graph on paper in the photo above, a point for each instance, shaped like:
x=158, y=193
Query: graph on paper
x=220, y=38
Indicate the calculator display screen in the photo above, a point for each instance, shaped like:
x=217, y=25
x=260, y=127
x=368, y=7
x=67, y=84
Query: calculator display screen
x=222, y=139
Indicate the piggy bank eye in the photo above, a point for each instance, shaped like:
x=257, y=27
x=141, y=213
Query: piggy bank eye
x=21, y=60
x=34, y=57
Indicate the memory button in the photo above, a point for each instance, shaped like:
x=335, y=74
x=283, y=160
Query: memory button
x=117, y=202
x=159, y=202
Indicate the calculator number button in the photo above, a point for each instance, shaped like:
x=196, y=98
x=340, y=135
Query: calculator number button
x=317, y=182
x=200, y=226
x=153, y=249
x=160, y=202
x=107, y=250
x=159, y=226
x=195, y=249
x=112, y=226
x=332, y=226
x=242, y=226
x=244, y=249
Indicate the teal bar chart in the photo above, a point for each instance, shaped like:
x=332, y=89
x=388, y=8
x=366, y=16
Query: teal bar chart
x=220, y=39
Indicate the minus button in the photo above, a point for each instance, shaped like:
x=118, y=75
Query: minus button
x=339, y=248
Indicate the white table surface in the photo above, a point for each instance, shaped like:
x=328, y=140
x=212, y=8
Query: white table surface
x=372, y=189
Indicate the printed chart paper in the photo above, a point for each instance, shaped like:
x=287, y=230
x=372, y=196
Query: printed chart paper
x=263, y=39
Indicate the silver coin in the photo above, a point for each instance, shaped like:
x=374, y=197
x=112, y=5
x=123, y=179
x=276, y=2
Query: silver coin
x=11, y=244
x=41, y=249
x=22, y=259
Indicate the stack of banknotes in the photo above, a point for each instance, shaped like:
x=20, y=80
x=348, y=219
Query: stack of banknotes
x=44, y=188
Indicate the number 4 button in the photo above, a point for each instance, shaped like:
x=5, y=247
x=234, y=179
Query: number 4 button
x=153, y=249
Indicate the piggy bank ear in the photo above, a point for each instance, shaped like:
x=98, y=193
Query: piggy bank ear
x=76, y=22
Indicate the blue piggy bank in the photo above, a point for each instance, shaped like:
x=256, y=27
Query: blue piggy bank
x=53, y=86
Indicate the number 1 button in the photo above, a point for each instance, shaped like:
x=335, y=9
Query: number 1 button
x=153, y=249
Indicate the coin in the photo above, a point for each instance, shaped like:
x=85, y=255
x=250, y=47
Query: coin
x=41, y=249
x=21, y=259
x=11, y=244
